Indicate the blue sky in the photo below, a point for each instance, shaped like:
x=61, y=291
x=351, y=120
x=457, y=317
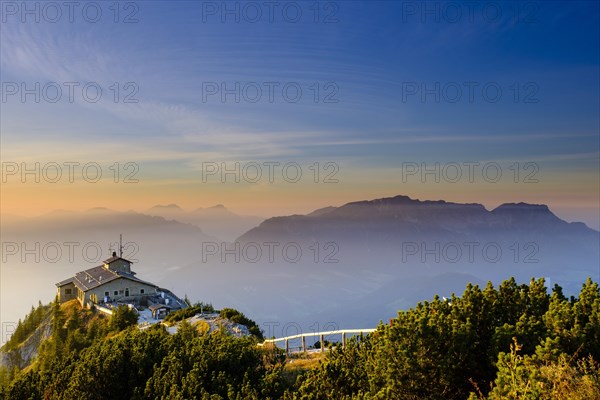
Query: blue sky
x=367, y=57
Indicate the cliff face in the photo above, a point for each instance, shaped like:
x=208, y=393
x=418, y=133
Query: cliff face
x=26, y=351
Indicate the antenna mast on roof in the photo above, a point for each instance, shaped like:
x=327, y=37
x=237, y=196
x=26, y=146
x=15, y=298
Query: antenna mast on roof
x=121, y=245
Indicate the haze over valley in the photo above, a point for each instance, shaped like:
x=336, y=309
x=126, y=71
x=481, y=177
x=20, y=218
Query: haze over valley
x=345, y=266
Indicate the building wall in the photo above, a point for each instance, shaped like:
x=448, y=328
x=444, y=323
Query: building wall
x=119, y=266
x=119, y=285
x=66, y=292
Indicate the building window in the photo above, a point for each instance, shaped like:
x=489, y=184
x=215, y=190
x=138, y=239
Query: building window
x=121, y=291
x=142, y=291
x=106, y=294
x=67, y=291
x=116, y=293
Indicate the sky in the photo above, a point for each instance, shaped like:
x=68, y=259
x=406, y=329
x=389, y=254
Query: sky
x=286, y=107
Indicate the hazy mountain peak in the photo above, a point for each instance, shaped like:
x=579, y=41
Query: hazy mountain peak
x=219, y=208
x=513, y=208
x=401, y=216
x=396, y=200
x=400, y=199
x=403, y=204
x=321, y=211
x=168, y=207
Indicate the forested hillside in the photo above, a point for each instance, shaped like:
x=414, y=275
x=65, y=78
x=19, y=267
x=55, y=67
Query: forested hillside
x=514, y=341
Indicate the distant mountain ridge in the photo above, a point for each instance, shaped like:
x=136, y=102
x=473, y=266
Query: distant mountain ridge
x=170, y=207
x=217, y=220
x=401, y=213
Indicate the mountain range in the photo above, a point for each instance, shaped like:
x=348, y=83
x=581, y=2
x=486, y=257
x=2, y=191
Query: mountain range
x=350, y=265
x=366, y=259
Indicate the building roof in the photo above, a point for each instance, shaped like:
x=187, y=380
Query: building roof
x=98, y=276
x=65, y=282
x=154, y=307
x=115, y=257
x=93, y=277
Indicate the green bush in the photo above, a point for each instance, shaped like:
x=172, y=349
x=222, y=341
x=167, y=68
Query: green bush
x=449, y=349
x=182, y=314
x=123, y=317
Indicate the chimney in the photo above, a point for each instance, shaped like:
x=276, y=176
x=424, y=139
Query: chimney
x=114, y=253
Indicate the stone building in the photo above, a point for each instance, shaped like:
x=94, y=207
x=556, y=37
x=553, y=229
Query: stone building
x=112, y=281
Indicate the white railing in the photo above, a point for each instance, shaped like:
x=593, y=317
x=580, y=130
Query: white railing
x=321, y=335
